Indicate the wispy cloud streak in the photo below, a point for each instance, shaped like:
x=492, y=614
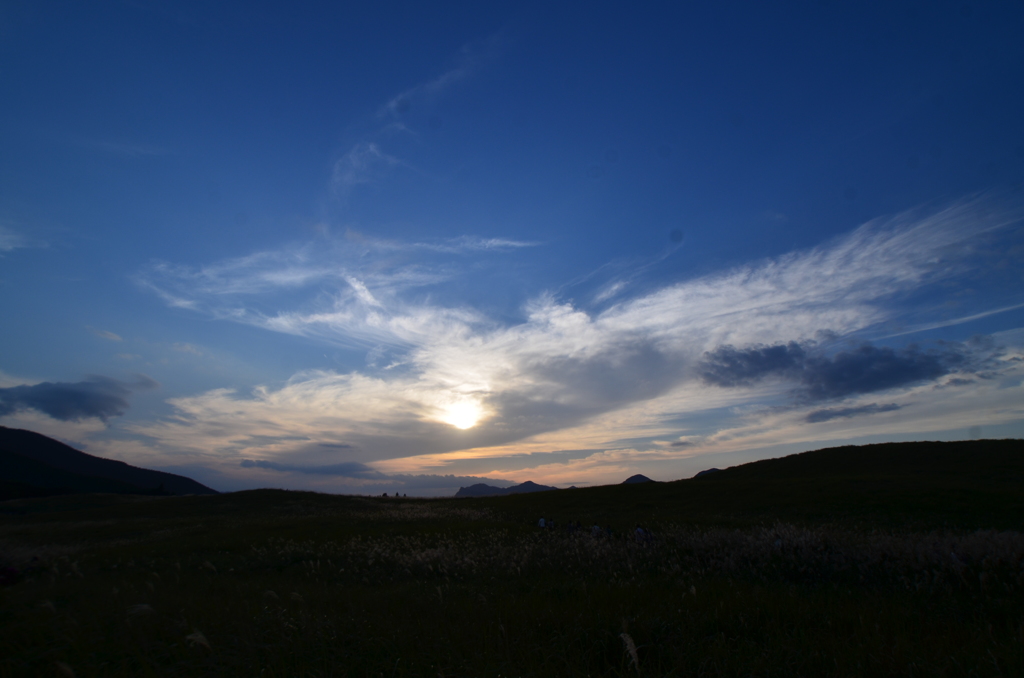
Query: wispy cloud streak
x=470, y=59
x=12, y=238
x=104, y=334
x=847, y=412
x=127, y=150
x=357, y=287
x=366, y=162
x=363, y=164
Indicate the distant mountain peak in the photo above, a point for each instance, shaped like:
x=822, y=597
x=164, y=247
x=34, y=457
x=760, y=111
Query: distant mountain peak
x=484, y=490
x=638, y=478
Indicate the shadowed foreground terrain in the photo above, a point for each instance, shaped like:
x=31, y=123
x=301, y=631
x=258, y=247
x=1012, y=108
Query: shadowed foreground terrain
x=882, y=560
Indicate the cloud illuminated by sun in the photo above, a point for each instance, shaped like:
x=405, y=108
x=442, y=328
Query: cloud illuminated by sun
x=462, y=414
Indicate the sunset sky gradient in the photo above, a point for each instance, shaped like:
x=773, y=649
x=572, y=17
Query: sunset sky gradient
x=394, y=248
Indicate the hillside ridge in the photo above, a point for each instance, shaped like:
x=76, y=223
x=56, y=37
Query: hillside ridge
x=38, y=461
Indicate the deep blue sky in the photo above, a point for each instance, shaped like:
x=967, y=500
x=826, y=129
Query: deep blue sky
x=303, y=246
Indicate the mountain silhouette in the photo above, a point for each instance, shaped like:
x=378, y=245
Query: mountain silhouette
x=483, y=490
x=638, y=478
x=32, y=464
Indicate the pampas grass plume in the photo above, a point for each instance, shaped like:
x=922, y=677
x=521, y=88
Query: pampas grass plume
x=631, y=649
x=197, y=638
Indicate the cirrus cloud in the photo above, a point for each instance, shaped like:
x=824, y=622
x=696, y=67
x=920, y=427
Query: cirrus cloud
x=565, y=377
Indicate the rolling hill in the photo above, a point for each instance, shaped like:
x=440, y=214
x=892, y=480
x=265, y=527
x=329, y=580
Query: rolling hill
x=976, y=483
x=33, y=465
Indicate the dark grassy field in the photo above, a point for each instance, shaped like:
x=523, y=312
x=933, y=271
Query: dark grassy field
x=884, y=560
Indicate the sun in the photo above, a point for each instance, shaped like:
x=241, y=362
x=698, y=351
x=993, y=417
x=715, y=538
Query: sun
x=463, y=414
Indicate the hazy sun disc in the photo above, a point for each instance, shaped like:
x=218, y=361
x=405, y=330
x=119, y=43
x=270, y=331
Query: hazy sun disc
x=463, y=415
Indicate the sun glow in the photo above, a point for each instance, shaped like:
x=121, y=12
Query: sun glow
x=463, y=414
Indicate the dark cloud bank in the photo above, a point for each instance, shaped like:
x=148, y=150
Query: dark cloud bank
x=95, y=397
x=846, y=412
x=865, y=369
x=349, y=469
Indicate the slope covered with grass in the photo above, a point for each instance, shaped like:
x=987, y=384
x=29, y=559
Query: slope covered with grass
x=969, y=484
x=29, y=458
x=281, y=583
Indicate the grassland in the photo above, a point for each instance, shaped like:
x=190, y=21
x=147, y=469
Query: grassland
x=814, y=568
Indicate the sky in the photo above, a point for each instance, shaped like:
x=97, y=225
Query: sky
x=398, y=247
